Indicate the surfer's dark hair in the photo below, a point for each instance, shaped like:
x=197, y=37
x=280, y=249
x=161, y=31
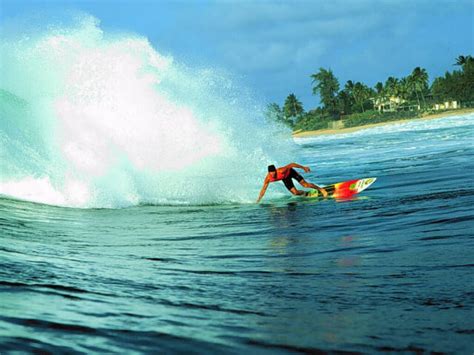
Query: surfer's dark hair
x=271, y=168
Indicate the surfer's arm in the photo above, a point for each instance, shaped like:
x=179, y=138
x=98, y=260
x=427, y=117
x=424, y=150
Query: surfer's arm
x=298, y=166
x=263, y=190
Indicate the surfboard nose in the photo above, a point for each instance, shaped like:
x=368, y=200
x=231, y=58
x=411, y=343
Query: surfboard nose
x=362, y=184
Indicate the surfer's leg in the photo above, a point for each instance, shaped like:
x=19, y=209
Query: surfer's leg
x=310, y=185
x=291, y=187
x=289, y=183
x=297, y=192
x=302, y=181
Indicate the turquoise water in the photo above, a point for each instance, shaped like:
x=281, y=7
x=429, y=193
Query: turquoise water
x=389, y=271
x=128, y=220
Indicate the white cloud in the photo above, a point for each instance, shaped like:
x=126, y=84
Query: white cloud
x=273, y=42
x=274, y=36
x=310, y=51
x=255, y=55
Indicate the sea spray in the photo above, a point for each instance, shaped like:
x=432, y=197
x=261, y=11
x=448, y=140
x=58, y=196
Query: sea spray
x=90, y=119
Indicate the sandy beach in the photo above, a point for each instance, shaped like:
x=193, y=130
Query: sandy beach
x=354, y=129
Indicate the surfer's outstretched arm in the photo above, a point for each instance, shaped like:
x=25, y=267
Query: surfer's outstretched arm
x=263, y=190
x=298, y=166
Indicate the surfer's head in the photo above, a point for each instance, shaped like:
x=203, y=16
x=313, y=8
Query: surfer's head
x=272, y=171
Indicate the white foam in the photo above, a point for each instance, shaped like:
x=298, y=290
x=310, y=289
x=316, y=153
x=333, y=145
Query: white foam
x=121, y=124
x=408, y=126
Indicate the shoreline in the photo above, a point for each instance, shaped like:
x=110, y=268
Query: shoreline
x=431, y=116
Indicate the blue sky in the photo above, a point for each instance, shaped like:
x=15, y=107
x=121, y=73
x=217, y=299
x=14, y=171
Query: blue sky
x=272, y=47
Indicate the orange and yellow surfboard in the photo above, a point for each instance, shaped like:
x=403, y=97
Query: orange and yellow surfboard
x=345, y=189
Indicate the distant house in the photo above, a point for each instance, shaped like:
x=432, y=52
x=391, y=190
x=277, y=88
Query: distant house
x=446, y=105
x=387, y=104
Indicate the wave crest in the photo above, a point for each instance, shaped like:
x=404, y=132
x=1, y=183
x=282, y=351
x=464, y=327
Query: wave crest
x=97, y=120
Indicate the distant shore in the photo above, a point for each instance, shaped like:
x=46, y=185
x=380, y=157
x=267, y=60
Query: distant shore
x=302, y=134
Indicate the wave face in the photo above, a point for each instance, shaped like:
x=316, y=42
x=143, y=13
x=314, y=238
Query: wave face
x=90, y=119
x=286, y=276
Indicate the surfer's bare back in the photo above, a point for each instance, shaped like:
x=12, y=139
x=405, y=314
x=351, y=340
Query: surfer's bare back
x=286, y=174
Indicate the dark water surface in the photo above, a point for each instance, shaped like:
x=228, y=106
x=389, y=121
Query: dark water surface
x=389, y=271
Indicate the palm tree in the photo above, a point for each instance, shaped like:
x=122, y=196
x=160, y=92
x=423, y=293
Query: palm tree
x=361, y=94
x=404, y=88
x=344, y=102
x=411, y=88
x=292, y=108
x=379, y=88
x=461, y=60
x=419, y=82
x=393, y=89
x=380, y=94
x=392, y=86
x=349, y=86
x=327, y=86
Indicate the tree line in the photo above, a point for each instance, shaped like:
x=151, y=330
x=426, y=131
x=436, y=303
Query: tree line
x=412, y=92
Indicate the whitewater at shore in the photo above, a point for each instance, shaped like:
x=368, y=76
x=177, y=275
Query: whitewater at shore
x=302, y=134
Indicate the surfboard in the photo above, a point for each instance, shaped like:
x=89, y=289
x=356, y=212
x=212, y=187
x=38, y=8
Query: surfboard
x=345, y=189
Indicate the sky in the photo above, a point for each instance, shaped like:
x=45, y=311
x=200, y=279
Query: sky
x=273, y=47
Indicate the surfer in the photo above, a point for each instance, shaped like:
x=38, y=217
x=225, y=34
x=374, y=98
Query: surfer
x=286, y=174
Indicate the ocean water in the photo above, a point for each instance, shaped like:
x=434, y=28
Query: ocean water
x=128, y=222
x=389, y=271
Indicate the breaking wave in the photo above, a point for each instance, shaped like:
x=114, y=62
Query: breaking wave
x=95, y=119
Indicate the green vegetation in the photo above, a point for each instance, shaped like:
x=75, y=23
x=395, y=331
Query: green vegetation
x=458, y=85
x=398, y=98
x=327, y=86
x=291, y=112
x=313, y=120
x=372, y=116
